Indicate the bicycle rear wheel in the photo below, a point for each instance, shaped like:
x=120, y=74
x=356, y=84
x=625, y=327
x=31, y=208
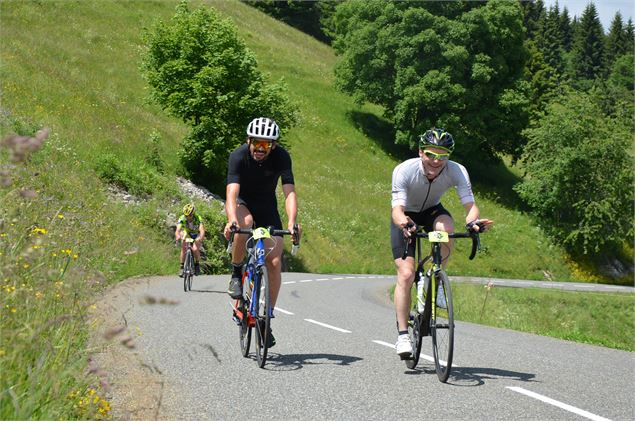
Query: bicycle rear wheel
x=263, y=319
x=442, y=326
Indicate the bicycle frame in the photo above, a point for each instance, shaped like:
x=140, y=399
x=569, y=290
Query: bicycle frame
x=252, y=272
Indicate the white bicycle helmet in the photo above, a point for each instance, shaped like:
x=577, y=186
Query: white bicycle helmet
x=263, y=128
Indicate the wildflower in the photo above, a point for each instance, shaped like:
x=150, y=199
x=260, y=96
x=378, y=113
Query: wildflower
x=13, y=310
x=39, y=295
x=38, y=230
x=67, y=251
x=60, y=216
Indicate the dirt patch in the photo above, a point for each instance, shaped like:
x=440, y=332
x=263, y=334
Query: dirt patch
x=134, y=387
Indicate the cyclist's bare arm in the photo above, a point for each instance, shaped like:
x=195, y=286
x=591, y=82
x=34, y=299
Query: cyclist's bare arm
x=473, y=215
x=400, y=219
x=290, y=204
x=231, y=205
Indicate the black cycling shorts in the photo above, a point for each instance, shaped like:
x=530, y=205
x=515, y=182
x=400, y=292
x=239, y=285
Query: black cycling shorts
x=264, y=216
x=425, y=219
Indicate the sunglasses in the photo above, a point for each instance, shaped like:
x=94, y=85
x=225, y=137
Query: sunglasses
x=265, y=144
x=438, y=156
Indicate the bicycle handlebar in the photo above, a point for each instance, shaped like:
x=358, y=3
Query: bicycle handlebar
x=273, y=231
x=476, y=242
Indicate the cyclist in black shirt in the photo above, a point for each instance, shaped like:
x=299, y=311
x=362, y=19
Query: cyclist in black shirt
x=252, y=177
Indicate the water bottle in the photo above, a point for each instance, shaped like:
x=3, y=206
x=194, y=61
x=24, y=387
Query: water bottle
x=420, y=293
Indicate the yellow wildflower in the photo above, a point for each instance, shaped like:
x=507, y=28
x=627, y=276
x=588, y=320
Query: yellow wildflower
x=60, y=216
x=38, y=230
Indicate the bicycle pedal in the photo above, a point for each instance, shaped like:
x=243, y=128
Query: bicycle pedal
x=405, y=357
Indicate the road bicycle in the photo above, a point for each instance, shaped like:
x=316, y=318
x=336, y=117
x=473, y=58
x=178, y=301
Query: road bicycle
x=188, y=265
x=254, y=308
x=433, y=312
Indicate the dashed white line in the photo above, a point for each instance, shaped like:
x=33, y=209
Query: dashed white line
x=283, y=311
x=328, y=326
x=307, y=280
x=289, y=282
x=323, y=279
x=559, y=404
x=424, y=356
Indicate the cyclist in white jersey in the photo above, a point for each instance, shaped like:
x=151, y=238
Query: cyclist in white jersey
x=417, y=187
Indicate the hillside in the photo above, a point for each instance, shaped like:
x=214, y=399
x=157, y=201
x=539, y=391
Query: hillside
x=75, y=70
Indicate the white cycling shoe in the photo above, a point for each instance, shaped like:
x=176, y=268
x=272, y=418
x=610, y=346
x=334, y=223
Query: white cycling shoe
x=403, y=346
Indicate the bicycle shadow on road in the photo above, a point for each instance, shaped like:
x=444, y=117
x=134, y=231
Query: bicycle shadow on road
x=210, y=291
x=476, y=376
x=289, y=362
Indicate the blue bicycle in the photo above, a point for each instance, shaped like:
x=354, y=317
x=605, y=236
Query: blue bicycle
x=254, y=308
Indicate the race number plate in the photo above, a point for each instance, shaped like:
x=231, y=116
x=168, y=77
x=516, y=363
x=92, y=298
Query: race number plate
x=259, y=233
x=438, y=237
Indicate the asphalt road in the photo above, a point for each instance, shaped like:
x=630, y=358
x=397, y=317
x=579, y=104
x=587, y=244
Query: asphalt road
x=335, y=359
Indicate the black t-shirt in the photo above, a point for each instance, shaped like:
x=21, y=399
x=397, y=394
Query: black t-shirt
x=258, y=180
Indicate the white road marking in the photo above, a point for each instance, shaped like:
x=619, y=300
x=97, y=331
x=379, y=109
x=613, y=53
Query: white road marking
x=289, y=282
x=424, y=356
x=283, y=311
x=328, y=326
x=322, y=279
x=307, y=280
x=336, y=279
x=558, y=404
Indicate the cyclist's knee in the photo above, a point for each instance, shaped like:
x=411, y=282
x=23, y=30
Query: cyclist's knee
x=444, y=223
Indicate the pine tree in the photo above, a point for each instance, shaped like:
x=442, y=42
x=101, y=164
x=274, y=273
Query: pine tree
x=630, y=37
x=615, y=45
x=550, y=39
x=566, y=30
x=588, y=47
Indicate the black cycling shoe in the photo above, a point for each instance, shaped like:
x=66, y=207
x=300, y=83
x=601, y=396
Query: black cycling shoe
x=271, y=341
x=235, y=289
x=197, y=269
x=181, y=273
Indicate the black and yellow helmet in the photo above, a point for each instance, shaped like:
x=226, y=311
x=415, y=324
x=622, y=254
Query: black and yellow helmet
x=188, y=209
x=437, y=138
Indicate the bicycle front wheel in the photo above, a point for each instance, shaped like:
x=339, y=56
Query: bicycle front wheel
x=244, y=330
x=188, y=271
x=415, y=323
x=442, y=326
x=263, y=318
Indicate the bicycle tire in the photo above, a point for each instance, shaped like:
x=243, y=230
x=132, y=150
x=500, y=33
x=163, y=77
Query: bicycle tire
x=188, y=271
x=263, y=320
x=415, y=323
x=442, y=328
x=244, y=330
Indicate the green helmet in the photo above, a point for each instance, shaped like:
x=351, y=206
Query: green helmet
x=437, y=138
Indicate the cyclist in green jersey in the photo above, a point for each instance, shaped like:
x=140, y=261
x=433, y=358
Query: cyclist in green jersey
x=190, y=224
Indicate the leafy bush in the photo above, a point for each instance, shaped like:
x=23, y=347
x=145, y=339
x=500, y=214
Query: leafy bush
x=138, y=179
x=580, y=174
x=199, y=70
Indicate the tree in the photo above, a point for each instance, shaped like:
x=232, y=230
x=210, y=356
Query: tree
x=566, y=30
x=307, y=16
x=200, y=71
x=452, y=64
x=616, y=44
x=551, y=39
x=588, y=47
x=580, y=175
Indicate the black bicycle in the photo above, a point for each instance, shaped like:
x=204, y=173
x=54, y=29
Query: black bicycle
x=188, y=265
x=433, y=312
x=254, y=308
